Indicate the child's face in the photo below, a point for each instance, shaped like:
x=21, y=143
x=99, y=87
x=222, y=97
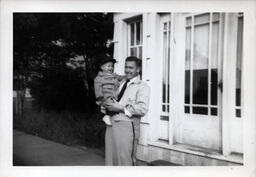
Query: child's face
x=108, y=67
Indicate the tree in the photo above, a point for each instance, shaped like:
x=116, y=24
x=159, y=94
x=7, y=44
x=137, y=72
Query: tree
x=44, y=45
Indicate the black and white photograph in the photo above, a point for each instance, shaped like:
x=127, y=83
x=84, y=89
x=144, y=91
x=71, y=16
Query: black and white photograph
x=142, y=88
x=72, y=90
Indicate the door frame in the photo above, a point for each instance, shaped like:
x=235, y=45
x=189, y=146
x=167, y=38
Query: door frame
x=231, y=124
x=165, y=118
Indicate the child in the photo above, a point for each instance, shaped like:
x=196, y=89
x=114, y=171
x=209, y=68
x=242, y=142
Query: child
x=106, y=85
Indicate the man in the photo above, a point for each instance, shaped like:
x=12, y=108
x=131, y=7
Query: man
x=122, y=137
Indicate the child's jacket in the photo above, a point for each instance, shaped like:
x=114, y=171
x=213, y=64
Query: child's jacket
x=106, y=86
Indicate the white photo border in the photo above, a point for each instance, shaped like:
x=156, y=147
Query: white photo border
x=8, y=7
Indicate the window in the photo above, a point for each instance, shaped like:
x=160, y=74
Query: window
x=135, y=39
x=201, y=64
x=239, y=64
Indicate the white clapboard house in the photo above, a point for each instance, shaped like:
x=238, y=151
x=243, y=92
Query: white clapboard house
x=193, y=64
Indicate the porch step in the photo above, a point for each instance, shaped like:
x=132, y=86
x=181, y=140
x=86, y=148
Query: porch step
x=158, y=153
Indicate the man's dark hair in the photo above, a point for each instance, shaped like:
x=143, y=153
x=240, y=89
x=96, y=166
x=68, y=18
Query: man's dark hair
x=134, y=59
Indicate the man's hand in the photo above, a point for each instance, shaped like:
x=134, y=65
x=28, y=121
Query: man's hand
x=114, y=107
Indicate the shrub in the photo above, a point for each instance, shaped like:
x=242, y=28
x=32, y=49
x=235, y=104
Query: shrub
x=64, y=127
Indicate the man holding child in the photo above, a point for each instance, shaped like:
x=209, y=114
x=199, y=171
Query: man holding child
x=128, y=103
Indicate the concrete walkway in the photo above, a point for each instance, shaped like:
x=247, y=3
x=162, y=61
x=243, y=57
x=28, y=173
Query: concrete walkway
x=31, y=150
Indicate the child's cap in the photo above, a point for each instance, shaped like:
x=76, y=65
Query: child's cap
x=103, y=58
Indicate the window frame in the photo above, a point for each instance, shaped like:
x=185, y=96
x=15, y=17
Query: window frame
x=192, y=26
x=136, y=46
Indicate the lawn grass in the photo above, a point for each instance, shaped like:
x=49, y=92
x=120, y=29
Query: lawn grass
x=66, y=127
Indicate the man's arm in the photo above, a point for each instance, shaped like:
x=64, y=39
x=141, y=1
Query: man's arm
x=114, y=106
x=140, y=106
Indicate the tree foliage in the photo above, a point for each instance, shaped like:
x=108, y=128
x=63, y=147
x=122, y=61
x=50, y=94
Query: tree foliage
x=46, y=45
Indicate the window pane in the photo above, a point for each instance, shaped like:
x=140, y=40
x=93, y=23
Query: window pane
x=133, y=52
x=138, y=33
x=200, y=65
x=214, y=86
x=238, y=112
x=165, y=26
x=239, y=61
x=132, y=34
x=187, y=86
x=201, y=45
x=187, y=65
x=215, y=16
x=200, y=110
x=140, y=52
x=186, y=109
x=163, y=108
x=164, y=93
x=214, y=111
x=200, y=86
x=188, y=21
x=214, y=63
x=215, y=45
x=202, y=18
x=166, y=118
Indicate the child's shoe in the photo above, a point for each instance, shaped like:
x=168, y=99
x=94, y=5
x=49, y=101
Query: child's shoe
x=107, y=120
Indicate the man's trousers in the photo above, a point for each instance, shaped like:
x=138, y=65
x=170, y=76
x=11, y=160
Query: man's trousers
x=120, y=144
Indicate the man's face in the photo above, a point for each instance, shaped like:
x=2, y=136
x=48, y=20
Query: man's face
x=131, y=69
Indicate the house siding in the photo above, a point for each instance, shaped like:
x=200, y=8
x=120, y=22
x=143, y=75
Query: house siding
x=178, y=127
